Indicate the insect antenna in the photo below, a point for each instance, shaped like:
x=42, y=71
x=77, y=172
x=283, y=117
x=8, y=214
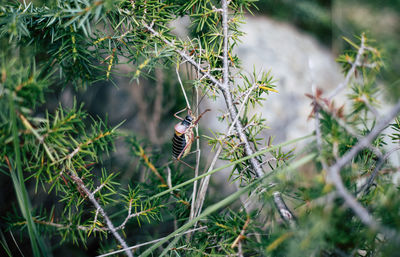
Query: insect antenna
x=197, y=99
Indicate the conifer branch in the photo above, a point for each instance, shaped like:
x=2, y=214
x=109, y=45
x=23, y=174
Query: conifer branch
x=334, y=170
x=79, y=183
x=90, y=41
x=365, y=188
x=226, y=90
x=205, y=181
x=92, y=228
x=183, y=54
x=334, y=173
x=319, y=104
x=353, y=68
x=241, y=234
x=133, y=215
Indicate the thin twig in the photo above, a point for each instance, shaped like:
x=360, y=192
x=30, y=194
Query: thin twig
x=196, y=171
x=184, y=55
x=182, y=88
x=205, y=181
x=150, y=242
x=98, y=188
x=130, y=216
x=367, y=103
x=350, y=73
x=334, y=173
x=365, y=188
x=241, y=234
x=79, y=183
x=283, y=210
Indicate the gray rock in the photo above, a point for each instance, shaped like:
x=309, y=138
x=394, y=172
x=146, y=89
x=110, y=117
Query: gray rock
x=296, y=61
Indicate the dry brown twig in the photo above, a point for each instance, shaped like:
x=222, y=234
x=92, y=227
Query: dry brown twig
x=241, y=234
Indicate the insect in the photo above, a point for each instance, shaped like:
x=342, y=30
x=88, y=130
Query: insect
x=184, y=136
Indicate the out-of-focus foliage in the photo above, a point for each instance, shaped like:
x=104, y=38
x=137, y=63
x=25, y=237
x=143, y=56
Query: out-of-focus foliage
x=332, y=19
x=311, y=15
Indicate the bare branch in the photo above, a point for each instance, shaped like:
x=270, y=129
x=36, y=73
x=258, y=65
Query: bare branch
x=225, y=47
x=226, y=90
x=205, y=181
x=283, y=210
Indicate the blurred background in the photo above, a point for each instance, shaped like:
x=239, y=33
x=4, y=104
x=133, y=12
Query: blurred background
x=297, y=41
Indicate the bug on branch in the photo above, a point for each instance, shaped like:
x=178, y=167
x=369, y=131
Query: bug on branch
x=184, y=136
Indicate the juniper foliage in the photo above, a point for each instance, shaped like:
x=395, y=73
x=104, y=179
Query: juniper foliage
x=66, y=191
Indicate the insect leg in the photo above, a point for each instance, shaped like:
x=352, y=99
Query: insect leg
x=195, y=151
x=188, y=144
x=198, y=118
x=176, y=114
x=179, y=160
x=183, y=151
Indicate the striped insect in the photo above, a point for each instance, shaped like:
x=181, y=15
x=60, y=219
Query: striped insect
x=184, y=136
